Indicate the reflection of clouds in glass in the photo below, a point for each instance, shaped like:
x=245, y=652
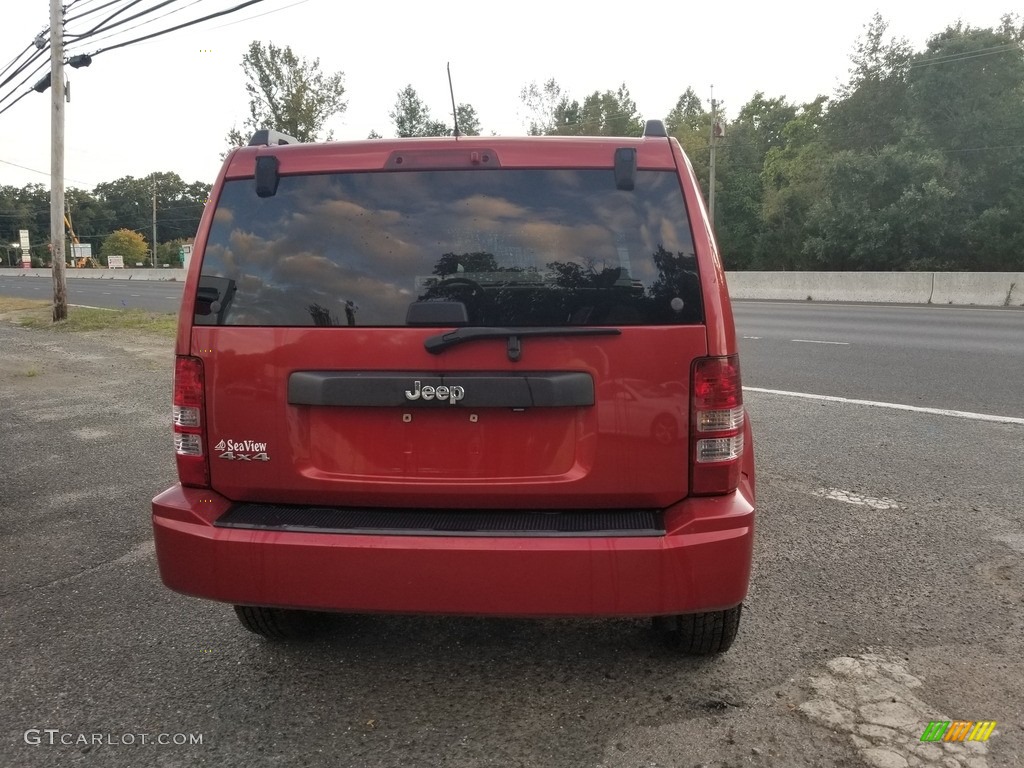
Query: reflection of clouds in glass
x=556, y=241
x=492, y=208
x=368, y=237
x=250, y=284
x=223, y=217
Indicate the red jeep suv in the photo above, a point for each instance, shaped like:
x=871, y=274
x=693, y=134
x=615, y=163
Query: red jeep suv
x=483, y=376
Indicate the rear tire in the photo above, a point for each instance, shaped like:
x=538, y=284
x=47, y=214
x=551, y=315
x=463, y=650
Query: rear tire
x=278, y=623
x=700, y=634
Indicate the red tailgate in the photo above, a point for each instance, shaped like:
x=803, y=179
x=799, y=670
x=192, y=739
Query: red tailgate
x=627, y=448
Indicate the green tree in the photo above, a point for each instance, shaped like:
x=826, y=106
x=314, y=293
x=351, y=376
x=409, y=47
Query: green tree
x=690, y=124
x=894, y=209
x=551, y=112
x=411, y=117
x=688, y=115
x=871, y=109
x=469, y=121
x=125, y=242
x=288, y=93
x=90, y=216
x=757, y=129
x=611, y=113
x=542, y=102
x=791, y=182
x=167, y=252
x=28, y=208
x=128, y=203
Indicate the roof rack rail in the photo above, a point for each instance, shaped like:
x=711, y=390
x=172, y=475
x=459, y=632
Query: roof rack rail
x=270, y=137
x=655, y=128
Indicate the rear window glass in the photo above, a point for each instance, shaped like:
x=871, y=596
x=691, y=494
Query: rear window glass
x=513, y=247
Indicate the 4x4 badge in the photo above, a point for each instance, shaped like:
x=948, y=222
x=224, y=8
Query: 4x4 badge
x=451, y=394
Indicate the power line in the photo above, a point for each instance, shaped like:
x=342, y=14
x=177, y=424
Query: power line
x=13, y=61
x=34, y=170
x=265, y=13
x=134, y=26
x=91, y=11
x=26, y=93
x=14, y=90
x=101, y=28
x=114, y=15
x=954, y=59
x=179, y=26
x=941, y=58
x=25, y=64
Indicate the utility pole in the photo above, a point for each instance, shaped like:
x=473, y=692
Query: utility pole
x=154, y=220
x=711, y=181
x=60, y=287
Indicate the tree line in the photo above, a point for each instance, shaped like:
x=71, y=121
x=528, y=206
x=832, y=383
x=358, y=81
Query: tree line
x=114, y=217
x=915, y=163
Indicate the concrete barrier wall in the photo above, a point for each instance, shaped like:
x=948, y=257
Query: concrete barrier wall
x=999, y=289
x=994, y=289
x=102, y=274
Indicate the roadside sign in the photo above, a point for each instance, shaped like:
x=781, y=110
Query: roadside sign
x=115, y=262
x=26, y=254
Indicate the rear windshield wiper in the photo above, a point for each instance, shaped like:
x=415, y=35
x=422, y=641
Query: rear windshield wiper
x=435, y=345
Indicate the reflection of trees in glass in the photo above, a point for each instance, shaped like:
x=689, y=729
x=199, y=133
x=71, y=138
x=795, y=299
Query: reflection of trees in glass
x=674, y=272
x=322, y=316
x=478, y=261
x=567, y=293
x=572, y=275
x=677, y=279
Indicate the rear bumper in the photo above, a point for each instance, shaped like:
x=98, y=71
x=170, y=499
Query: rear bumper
x=701, y=564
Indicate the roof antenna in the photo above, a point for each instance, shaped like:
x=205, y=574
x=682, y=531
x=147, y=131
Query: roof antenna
x=451, y=90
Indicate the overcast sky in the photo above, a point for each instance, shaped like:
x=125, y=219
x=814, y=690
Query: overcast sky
x=166, y=105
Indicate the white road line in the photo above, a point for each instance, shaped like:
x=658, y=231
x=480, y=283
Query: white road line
x=86, y=306
x=134, y=295
x=751, y=337
x=813, y=341
x=895, y=406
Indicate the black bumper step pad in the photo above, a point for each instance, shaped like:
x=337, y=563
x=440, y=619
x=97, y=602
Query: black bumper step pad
x=448, y=522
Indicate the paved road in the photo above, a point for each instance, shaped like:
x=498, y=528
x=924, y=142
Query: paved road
x=150, y=295
x=888, y=591
x=961, y=358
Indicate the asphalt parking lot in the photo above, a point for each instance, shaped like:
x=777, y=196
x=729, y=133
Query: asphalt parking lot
x=888, y=592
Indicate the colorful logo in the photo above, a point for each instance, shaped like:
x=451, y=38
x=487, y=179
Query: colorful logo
x=958, y=730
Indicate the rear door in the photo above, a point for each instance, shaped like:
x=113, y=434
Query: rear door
x=496, y=338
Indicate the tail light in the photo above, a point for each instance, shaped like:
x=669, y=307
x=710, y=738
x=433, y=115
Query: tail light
x=190, y=422
x=716, y=425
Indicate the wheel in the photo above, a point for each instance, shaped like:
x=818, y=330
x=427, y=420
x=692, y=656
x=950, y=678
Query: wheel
x=278, y=623
x=700, y=634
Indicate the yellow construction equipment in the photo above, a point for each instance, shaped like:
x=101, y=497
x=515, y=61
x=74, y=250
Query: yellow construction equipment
x=81, y=262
